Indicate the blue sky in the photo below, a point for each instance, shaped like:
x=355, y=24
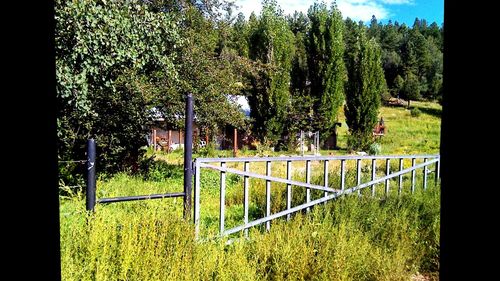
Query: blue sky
x=403, y=11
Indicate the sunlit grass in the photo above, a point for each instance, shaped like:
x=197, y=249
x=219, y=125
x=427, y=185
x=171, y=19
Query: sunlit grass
x=386, y=237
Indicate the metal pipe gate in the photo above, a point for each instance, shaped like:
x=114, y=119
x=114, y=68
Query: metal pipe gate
x=329, y=193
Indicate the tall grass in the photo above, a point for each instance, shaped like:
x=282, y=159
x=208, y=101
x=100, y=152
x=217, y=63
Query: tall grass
x=350, y=239
x=386, y=237
x=405, y=134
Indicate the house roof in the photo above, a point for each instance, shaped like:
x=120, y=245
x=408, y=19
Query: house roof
x=157, y=115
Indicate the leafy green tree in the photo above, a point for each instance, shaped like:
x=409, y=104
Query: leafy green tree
x=271, y=43
x=363, y=90
x=239, y=36
x=299, y=25
x=116, y=60
x=206, y=68
x=327, y=71
x=108, y=58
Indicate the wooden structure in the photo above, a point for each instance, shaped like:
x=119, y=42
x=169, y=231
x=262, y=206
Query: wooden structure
x=380, y=129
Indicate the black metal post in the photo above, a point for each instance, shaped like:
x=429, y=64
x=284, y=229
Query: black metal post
x=90, y=174
x=188, y=155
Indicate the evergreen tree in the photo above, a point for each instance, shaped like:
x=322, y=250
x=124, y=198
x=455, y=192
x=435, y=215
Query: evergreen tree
x=398, y=83
x=390, y=41
x=375, y=29
x=411, y=88
x=365, y=85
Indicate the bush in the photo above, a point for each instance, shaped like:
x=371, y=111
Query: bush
x=359, y=141
x=415, y=112
x=157, y=171
x=374, y=149
x=208, y=151
x=264, y=148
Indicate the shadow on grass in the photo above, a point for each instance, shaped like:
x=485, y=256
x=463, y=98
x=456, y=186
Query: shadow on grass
x=431, y=111
x=158, y=170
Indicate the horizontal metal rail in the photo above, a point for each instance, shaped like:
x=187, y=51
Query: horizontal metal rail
x=139, y=197
x=311, y=158
x=275, y=179
x=324, y=199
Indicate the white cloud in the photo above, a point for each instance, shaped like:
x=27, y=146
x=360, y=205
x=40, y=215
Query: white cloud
x=362, y=9
x=398, y=2
x=243, y=102
x=288, y=7
x=248, y=6
x=355, y=9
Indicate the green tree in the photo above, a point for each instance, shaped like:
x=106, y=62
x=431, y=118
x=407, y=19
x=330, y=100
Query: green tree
x=411, y=88
x=271, y=44
x=390, y=42
x=206, y=67
x=434, y=73
x=327, y=71
x=398, y=84
x=108, y=58
x=299, y=25
x=375, y=29
x=363, y=90
x=239, y=36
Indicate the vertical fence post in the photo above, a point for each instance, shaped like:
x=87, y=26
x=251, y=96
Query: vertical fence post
x=358, y=174
x=325, y=168
x=302, y=143
x=400, y=176
x=288, y=187
x=245, y=195
x=169, y=140
x=413, y=161
x=91, y=175
x=342, y=174
x=387, y=171
x=197, y=175
x=317, y=143
x=222, y=198
x=188, y=155
x=308, y=180
x=374, y=171
x=436, y=176
x=425, y=175
x=268, y=195
x=235, y=142
x=154, y=140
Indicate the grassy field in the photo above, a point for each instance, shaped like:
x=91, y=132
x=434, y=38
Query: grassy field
x=380, y=238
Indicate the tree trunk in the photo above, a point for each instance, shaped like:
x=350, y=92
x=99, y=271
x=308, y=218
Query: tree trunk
x=409, y=104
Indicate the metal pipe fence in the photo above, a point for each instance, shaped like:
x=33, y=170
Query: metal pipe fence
x=329, y=192
x=91, y=199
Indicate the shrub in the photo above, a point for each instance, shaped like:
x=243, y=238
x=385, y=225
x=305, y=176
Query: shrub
x=374, y=149
x=157, y=171
x=415, y=112
x=208, y=151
